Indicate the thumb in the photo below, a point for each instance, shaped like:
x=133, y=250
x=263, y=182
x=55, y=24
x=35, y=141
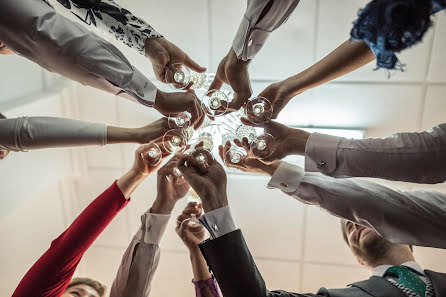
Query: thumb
x=216, y=84
x=278, y=105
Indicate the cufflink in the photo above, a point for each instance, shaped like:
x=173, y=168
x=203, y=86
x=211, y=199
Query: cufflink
x=215, y=227
x=250, y=42
x=140, y=93
x=284, y=185
x=320, y=164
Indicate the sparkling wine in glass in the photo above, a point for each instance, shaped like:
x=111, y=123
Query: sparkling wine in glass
x=193, y=224
x=234, y=155
x=258, y=110
x=214, y=103
x=181, y=77
x=154, y=154
x=175, y=141
x=263, y=146
x=181, y=120
x=203, y=156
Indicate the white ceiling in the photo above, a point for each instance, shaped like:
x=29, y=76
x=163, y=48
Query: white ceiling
x=296, y=247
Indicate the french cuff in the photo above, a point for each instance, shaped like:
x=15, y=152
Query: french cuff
x=287, y=177
x=248, y=41
x=142, y=89
x=218, y=221
x=320, y=153
x=153, y=225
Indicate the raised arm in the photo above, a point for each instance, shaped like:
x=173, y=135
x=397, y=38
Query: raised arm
x=51, y=274
x=141, y=258
x=260, y=19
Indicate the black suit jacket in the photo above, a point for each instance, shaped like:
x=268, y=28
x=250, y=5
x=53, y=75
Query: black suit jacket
x=231, y=263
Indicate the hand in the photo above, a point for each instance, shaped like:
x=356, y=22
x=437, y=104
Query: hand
x=233, y=71
x=152, y=132
x=247, y=164
x=141, y=164
x=279, y=94
x=169, y=192
x=4, y=50
x=162, y=53
x=287, y=141
x=190, y=239
x=209, y=182
x=171, y=104
x=3, y=154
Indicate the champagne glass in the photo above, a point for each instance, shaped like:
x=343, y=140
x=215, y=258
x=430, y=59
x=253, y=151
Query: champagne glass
x=181, y=120
x=193, y=224
x=259, y=110
x=263, y=146
x=234, y=155
x=175, y=141
x=203, y=156
x=154, y=154
x=181, y=77
x=214, y=103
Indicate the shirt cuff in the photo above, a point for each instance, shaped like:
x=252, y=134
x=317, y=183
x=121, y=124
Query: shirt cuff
x=287, y=177
x=320, y=153
x=142, y=89
x=218, y=222
x=153, y=227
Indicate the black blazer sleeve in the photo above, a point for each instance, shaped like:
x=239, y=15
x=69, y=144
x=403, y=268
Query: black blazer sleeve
x=233, y=266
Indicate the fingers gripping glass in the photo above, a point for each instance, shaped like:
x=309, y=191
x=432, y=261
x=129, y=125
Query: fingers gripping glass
x=214, y=103
x=203, y=156
x=175, y=141
x=234, y=155
x=263, y=146
x=154, y=155
x=180, y=77
x=193, y=224
x=259, y=110
x=181, y=120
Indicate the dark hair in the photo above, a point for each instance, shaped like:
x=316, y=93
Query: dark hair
x=97, y=286
x=344, y=232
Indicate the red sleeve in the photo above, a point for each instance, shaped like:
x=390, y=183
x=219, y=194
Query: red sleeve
x=52, y=273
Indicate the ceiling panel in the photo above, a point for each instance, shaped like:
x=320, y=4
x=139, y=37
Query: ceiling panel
x=316, y=276
x=280, y=275
x=323, y=233
x=96, y=105
x=335, y=24
x=290, y=48
x=173, y=275
x=437, y=70
x=260, y=212
x=429, y=258
x=19, y=77
x=435, y=107
x=362, y=105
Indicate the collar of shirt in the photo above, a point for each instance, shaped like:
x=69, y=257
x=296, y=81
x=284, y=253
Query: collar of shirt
x=381, y=270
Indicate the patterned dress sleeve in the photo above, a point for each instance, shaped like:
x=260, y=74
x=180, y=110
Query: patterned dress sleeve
x=109, y=17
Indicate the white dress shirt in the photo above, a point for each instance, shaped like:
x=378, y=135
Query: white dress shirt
x=406, y=217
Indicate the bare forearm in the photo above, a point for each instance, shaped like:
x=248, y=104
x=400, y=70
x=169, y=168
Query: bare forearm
x=199, y=266
x=129, y=182
x=346, y=58
x=121, y=135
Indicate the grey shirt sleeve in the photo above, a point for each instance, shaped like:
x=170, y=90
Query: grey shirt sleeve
x=37, y=32
x=407, y=217
x=411, y=157
x=218, y=221
x=141, y=258
x=252, y=32
x=29, y=133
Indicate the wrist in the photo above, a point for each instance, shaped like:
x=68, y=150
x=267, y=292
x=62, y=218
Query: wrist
x=136, y=174
x=162, y=205
x=270, y=169
x=298, y=141
x=159, y=98
x=214, y=203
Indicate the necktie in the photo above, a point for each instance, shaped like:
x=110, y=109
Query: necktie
x=407, y=278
